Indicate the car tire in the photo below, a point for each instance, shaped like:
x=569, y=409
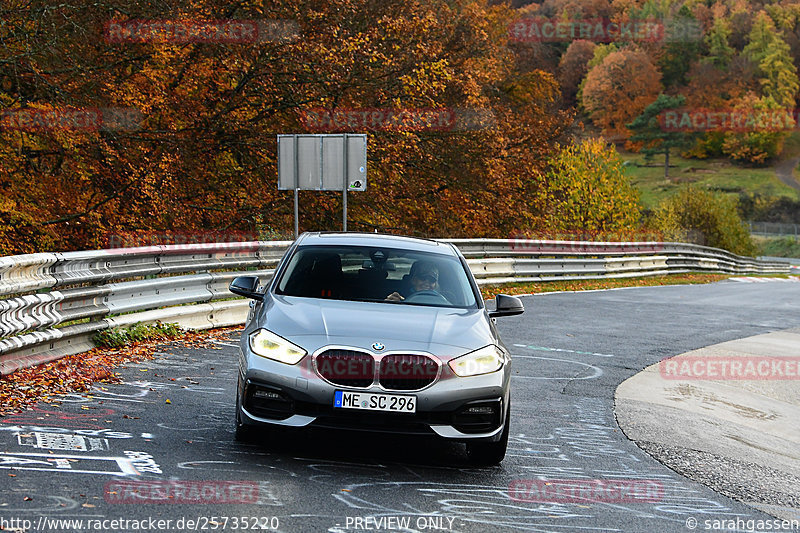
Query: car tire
x=242, y=432
x=490, y=453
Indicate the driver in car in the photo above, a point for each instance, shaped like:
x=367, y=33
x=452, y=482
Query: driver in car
x=424, y=276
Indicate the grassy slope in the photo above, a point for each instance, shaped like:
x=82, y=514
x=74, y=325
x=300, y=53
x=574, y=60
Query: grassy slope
x=719, y=175
x=778, y=247
x=715, y=174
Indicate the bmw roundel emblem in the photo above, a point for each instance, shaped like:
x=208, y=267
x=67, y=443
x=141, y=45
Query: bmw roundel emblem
x=378, y=346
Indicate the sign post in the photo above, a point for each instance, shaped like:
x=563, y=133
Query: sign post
x=322, y=163
x=344, y=185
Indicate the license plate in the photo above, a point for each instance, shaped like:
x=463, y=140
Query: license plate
x=375, y=402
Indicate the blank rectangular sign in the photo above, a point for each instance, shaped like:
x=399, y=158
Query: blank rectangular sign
x=356, y=163
x=332, y=163
x=309, y=173
x=286, y=177
x=317, y=162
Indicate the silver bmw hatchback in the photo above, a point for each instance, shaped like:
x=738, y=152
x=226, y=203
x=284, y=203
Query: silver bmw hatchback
x=375, y=333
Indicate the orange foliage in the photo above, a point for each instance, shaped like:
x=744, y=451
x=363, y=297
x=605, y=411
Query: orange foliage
x=573, y=67
x=729, y=84
x=619, y=89
x=204, y=157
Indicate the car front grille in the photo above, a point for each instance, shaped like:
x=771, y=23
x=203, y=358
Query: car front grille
x=407, y=372
x=346, y=368
x=399, y=372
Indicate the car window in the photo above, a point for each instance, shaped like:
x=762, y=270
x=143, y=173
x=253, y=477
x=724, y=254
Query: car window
x=373, y=274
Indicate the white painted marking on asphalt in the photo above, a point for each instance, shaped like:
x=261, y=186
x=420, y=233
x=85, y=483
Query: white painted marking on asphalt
x=77, y=464
x=755, y=279
x=597, y=370
x=61, y=441
x=564, y=350
x=225, y=344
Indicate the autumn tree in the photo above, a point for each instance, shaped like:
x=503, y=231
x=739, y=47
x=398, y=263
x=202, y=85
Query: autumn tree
x=619, y=89
x=575, y=9
x=720, y=52
x=779, y=85
x=766, y=128
x=588, y=191
x=682, y=47
x=698, y=216
x=732, y=76
x=770, y=53
x=657, y=140
x=599, y=53
x=572, y=68
x=787, y=20
x=647, y=9
x=203, y=155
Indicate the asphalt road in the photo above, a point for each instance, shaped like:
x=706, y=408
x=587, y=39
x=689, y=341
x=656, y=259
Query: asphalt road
x=108, y=457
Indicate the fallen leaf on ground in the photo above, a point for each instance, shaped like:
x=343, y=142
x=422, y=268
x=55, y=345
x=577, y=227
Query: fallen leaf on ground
x=78, y=373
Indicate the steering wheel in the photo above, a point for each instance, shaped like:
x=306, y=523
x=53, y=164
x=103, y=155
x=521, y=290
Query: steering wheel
x=427, y=297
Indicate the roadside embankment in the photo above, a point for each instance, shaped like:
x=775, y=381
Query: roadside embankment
x=727, y=416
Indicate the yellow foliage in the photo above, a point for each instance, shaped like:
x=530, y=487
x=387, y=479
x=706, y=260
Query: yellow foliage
x=588, y=191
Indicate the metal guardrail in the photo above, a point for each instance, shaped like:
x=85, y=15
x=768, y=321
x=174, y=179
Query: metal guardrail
x=51, y=304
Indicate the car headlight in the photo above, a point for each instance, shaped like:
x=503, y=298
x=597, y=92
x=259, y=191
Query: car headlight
x=267, y=344
x=483, y=361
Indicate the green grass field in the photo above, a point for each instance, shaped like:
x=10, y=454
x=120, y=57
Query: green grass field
x=718, y=175
x=778, y=246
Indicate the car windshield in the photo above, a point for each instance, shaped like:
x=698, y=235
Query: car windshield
x=362, y=273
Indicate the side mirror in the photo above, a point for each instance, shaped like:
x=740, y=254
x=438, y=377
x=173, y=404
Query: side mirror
x=507, y=306
x=246, y=286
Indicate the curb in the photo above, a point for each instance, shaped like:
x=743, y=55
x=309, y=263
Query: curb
x=739, y=436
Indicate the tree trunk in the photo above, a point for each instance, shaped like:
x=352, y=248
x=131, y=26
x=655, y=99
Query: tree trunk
x=666, y=164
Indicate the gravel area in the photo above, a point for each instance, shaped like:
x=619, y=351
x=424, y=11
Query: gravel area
x=746, y=482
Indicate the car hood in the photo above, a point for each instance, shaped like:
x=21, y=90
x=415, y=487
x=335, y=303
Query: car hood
x=313, y=323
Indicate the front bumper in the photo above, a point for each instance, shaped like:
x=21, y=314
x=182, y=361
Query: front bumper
x=463, y=409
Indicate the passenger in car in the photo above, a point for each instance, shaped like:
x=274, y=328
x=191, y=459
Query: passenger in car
x=423, y=276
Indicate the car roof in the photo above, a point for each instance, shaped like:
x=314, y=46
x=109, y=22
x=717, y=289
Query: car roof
x=374, y=239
